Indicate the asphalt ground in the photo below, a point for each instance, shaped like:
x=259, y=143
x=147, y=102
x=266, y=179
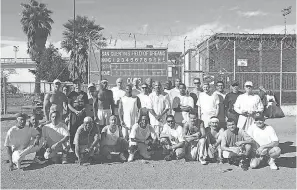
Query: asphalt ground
x=157, y=174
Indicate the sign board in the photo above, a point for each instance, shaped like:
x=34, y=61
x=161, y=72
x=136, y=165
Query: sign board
x=242, y=62
x=129, y=64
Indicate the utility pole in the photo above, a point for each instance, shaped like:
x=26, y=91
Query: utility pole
x=184, y=66
x=74, y=41
x=285, y=12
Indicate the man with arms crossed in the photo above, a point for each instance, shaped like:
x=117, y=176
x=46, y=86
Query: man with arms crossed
x=196, y=91
x=55, y=100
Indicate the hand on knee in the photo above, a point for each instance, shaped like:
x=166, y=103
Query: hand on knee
x=275, y=152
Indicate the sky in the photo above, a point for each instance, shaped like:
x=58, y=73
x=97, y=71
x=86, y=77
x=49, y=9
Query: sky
x=161, y=23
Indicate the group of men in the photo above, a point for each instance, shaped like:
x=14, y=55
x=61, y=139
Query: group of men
x=134, y=121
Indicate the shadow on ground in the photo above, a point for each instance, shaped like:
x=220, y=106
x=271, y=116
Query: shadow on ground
x=287, y=147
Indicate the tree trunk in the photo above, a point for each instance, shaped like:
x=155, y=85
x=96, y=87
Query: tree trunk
x=37, y=80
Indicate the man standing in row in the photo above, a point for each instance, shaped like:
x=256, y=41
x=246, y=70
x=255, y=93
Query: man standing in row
x=221, y=94
x=196, y=91
x=55, y=100
x=247, y=105
x=128, y=111
x=104, y=105
x=230, y=100
x=208, y=104
x=118, y=92
x=182, y=105
x=159, y=107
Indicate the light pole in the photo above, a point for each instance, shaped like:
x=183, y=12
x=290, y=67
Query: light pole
x=89, y=57
x=15, y=49
x=184, y=58
x=285, y=12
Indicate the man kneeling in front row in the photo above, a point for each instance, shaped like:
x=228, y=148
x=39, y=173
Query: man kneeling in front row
x=172, y=140
x=20, y=141
x=266, y=143
x=56, y=137
x=236, y=145
x=86, y=139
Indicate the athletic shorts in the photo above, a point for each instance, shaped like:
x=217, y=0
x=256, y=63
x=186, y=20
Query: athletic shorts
x=103, y=116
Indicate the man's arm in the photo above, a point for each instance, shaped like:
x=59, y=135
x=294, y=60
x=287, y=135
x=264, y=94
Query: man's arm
x=46, y=106
x=95, y=108
x=9, y=153
x=176, y=105
x=121, y=113
x=236, y=106
x=112, y=106
x=178, y=145
x=138, y=103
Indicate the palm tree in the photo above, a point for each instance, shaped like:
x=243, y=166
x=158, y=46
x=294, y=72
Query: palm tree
x=36, y=23
x=85, y=29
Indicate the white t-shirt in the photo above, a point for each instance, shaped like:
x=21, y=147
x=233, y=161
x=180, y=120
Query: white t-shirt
x=248, y=103
x=158, y=103
x=208, y=103
x=221, y=115
x=175, y=135
x=142, y=134
x=18, y=138
x=53, y=134
x=173, y=93
x=262, y=136
x=182, y=101
x=111, y=138
x=130, y=110
x=144, y=100
x=117, y=95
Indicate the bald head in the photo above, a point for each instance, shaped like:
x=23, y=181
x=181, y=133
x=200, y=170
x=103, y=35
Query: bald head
x=157, y=86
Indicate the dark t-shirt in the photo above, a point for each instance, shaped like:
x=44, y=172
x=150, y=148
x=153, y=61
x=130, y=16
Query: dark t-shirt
x=230, y=100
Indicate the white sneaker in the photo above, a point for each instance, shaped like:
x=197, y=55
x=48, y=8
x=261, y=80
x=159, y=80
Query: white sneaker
x=202, y=161
x=272, y=164
x=131, y=157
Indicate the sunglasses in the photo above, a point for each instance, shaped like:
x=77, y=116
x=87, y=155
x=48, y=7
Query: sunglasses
x=197, y=83
x=248, y=86
x=170, y=121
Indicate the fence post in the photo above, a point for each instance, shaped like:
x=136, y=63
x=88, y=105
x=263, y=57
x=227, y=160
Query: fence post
x=4, y=95
x=281, y=74
x=234, y=59
x=260, y=63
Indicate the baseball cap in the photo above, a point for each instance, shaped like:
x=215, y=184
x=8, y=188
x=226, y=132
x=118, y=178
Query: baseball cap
x=56, y=81
x=104, y=80
x=248, y=83
x=259, y=116
x=23, y=115
x=91, y=85
x=234, y=83
x=144, y=85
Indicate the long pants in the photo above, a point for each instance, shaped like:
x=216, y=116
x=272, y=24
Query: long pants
x=19, y=155
x=121, y=146
x=179, y=152
x=196, y=149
